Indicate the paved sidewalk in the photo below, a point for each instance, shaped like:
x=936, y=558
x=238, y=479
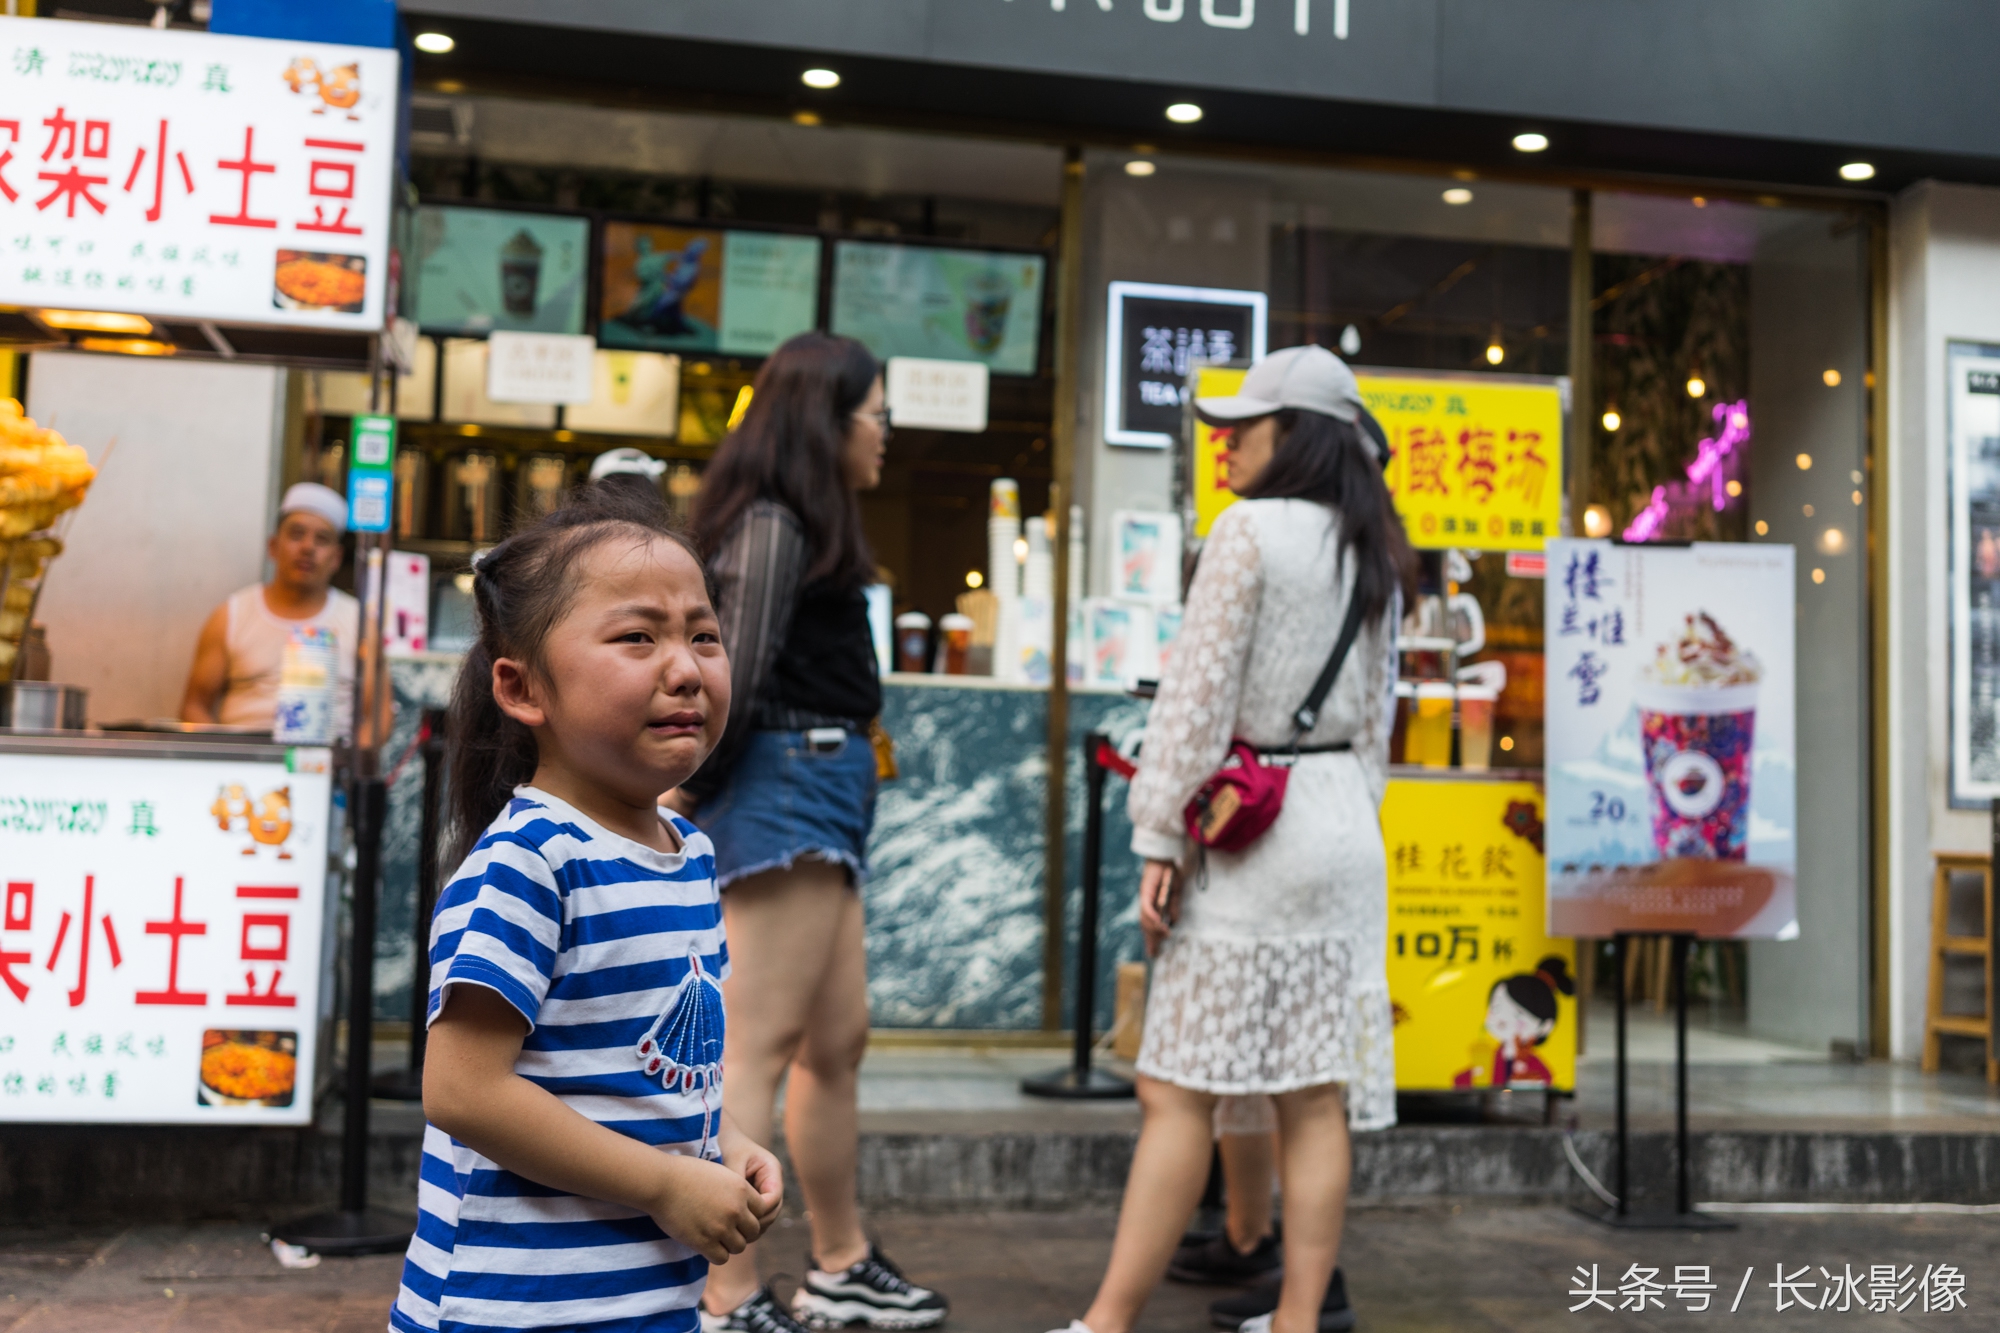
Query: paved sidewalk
x=1414, y=1270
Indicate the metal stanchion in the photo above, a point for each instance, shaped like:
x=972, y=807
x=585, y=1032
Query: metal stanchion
x=1620, y=1214
x=354, y=1227
x=1080, y=1080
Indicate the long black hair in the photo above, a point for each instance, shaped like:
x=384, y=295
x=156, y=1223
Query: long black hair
x=1536, y=991
x=1322, y=458
x=522, y=588
x=788, y=448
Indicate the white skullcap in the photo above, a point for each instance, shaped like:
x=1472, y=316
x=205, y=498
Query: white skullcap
x=309, y=497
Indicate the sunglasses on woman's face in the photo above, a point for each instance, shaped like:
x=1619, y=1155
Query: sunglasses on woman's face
x=881, y=419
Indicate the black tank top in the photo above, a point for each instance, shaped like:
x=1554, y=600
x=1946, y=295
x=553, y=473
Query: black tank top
x=827, y=664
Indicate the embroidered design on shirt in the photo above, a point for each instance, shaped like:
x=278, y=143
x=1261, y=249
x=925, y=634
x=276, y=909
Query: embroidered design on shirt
x=683, y=1048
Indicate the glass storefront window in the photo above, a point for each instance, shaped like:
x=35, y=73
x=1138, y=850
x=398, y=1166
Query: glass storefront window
x=1730, y=403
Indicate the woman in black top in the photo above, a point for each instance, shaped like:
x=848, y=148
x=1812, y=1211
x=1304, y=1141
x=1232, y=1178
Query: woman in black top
x=788, y=797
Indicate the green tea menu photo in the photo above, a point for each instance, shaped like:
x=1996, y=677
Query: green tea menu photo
x=955, y=305
x=481, y=269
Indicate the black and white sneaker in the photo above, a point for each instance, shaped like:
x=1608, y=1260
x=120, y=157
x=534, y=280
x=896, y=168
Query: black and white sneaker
x=761, y=1313
x=873, y=1292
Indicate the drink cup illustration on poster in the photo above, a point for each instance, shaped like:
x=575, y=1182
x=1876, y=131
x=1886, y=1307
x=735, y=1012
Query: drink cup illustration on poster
x=1671, y=759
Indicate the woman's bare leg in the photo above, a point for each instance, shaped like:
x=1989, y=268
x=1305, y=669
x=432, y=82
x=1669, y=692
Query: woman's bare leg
x=1317, y=1162
x=1248, y=1161
x=1169, y=1169
x=781, y=927
x=821, y=1126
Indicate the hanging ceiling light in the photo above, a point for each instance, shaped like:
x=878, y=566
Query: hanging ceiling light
x=1697, y=386
x=820, y=78
x=1350, y=341
x=1183, y=113
x=1496, y=350
x=1612, y=421
x=1530, y=142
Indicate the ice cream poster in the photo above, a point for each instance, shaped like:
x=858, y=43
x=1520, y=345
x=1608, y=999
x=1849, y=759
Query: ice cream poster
x=1671, y=758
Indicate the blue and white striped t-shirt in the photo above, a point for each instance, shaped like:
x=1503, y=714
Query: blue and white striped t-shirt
x=589, y=935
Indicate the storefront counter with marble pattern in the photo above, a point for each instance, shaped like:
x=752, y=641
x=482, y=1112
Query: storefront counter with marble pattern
x=955, y=889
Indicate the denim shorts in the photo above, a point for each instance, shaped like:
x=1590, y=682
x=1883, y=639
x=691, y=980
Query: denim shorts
x=783, y=801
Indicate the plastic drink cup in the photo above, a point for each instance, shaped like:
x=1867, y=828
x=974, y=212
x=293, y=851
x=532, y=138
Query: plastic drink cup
x=1429, y=741
x=520, y=273
x=957, y=630
x=1399, y=737
x=1475, y=727
x=1697, y=740
x=913, y=639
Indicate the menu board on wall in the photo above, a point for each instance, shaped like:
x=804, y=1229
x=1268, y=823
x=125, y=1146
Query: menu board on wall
x=1973, y=404
x=160, y=942
x=689, y=289
x=952, y=305
x=1154, y=335
x=478, y=270
x=194, y=175
x=1671, y=760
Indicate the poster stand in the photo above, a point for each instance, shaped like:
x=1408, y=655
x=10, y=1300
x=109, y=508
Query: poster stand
x=1620, y=1214
x=355, y=1228
x=1080, y=1082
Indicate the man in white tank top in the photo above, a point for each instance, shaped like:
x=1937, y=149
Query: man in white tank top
x=242, y=646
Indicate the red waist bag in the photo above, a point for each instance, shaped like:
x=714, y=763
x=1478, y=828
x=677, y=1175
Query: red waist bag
x=1244, y=797
x=1239, y=801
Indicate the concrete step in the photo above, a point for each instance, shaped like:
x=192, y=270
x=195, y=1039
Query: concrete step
x=77, y=1174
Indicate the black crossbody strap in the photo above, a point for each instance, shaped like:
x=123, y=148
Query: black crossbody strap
x=1307, y=715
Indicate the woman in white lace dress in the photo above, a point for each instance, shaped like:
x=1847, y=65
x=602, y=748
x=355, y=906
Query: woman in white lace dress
x=1270, y=976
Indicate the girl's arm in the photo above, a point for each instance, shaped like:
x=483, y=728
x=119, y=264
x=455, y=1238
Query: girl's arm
x=472, y=1093
x=757, y=575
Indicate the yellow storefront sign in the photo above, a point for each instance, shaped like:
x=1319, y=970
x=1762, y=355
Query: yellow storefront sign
x=1476, y=462
x=1481, y=996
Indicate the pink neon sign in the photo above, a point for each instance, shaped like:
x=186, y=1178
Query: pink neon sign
x=1715, y=460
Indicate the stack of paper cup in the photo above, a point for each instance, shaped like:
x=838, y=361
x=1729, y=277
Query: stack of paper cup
x=1003, y=575
x=307, y=676
x=1039, y=574
x=1003, y=527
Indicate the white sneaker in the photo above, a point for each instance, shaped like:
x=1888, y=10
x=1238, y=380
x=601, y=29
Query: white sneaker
x=873, y=1293
x=1258, y=1323
x=1075, y=1326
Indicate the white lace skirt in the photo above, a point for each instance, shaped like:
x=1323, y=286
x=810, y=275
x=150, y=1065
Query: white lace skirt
x=1275, y=978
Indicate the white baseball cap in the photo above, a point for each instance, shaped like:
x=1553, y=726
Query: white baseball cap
x=633, y=462
x=309, y=497
x=1308, y=378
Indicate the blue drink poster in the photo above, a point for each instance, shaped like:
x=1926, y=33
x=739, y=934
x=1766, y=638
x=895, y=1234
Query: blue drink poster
x=480, y=269
x=694, y=289
x=1671, y=754
x=955, y=305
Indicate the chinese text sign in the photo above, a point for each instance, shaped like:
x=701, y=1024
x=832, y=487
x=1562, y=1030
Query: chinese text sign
x=1671, y=760
x=1474, y=465
x=1480, y=995
x=195, y=176
x=160, y=938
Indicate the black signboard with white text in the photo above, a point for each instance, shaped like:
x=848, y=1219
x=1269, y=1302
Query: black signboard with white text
x=1153, y=335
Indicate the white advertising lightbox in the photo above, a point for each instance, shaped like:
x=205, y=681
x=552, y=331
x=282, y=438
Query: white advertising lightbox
x=191, y=175
x=160, y=937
